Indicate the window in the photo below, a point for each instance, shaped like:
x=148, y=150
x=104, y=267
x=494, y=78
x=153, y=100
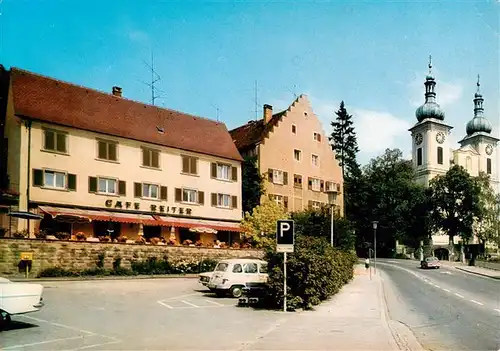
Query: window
x=314, y=205
x=107, y=150
x=189, y=195
x=317, y=137
x=294, y=129
x=488, y=165
x=224, y=172
x=54, y=179
x=189, y=165
x=468, y=163
x=314, y=184
x=279, y=200
x=419, y=156
x=251, y=268
x=107, y=186
x=315, y=160
x=440, y=155
x=55, y=141
x=331, y=186
x=221, y=267
x=237, y=268
x=150, y=191
x=277, y=176
x=224, y=200
x=297, y=181
x=150, y=158
x=297, y=155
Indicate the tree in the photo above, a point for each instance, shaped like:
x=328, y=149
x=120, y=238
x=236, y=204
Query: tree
x=260, y=226
x=455, y=202
x=486, y=224
x=344, y=141
x=252, y=184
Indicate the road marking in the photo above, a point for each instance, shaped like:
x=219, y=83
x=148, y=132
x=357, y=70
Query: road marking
x=189, y=303
x=447, y=290
x=447, y=273
x=43, y=342
x=476, y=302
x=59, y=325
x=102, y=344
x=496, y=309
x=215, y=303
x=164, y=304
x=437, y=286
x=392, y=261
x=457, y=294
x=180, y=296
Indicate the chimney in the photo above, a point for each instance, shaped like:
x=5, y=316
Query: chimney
x=268, y=113
x=117, y=91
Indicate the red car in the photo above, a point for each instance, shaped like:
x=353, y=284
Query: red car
x=430, y=262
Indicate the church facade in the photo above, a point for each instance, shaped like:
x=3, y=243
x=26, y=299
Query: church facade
x=432, y=154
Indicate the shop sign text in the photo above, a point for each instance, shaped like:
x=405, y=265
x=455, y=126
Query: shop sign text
x=153, y=208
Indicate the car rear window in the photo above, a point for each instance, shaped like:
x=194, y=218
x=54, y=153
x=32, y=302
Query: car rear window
x=221, y=267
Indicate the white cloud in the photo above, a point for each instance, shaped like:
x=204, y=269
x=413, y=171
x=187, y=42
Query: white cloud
x=447, y=93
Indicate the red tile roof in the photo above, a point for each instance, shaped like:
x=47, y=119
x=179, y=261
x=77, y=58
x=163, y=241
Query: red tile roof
x=54, y=101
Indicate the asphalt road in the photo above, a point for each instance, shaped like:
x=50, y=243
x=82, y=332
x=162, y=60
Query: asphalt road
x=445, y=308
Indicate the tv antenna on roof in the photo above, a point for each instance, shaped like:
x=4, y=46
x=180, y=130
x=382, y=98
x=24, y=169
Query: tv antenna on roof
x=256, y=102
x=217, y=109
x=293, y=91
x=155, y=78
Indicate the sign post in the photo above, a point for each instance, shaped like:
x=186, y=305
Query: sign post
x=285, y=240
x=27, y=258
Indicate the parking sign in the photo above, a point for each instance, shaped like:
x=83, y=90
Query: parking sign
x=285, y=235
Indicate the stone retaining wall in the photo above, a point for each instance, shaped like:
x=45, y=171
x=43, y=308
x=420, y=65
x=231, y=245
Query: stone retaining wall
x=80, y=255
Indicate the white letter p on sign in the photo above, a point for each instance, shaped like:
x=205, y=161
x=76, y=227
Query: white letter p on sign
x=284, y=227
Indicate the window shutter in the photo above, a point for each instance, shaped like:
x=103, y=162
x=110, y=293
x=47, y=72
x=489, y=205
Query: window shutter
x=214, y=199
x=102, y=150
x=72, y=182
x=61, y=142
x=92, y=184
x=285, y=178
x=271, y=197
x=49, y=140
x=319, y=137
x=270, y=175
x=310, y=205
x=155, y=159
x=285, y=202
x=37, y=177
x=112, y=151
x=201, y=197
x=122, y=188
x=178, y=195
x=213, y=170
x=145, y=157
x=309, y=183
x=235, y=201
x=193, y=165
x=137, y=189
x=185, y=164
x=163, y=193
x=234, y=174
x=321, y=185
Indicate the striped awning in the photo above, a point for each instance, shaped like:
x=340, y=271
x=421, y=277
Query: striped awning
x=200, y=223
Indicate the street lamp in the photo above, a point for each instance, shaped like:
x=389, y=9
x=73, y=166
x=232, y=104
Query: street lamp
x=375, y=223
x=332, y=198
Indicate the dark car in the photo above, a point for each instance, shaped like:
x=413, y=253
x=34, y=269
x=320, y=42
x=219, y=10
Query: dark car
x=430, y=262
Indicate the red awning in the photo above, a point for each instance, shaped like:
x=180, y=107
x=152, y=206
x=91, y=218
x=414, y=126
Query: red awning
x=199, y=223
x=73, y=214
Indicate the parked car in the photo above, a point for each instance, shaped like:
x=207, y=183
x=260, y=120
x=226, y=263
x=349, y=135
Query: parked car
x=430, y=262
x=230, y=276
x=18, y=298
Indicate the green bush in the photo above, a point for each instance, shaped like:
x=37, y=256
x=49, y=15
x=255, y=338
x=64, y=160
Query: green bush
x=315, y=272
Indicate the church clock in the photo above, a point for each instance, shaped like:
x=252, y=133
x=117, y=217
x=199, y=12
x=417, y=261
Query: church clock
x=440, y=137
x=419, y=138
x=489, y=149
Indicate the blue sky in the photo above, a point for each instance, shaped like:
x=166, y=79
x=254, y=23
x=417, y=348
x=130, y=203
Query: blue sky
x=372, y=54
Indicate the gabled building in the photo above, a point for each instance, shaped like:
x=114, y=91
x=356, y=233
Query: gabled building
x=100, y=164
x=294, y=155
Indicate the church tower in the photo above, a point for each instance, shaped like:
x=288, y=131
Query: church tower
x=431, y=152
x=479, y=138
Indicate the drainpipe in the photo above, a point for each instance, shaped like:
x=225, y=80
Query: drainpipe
x=28, y=180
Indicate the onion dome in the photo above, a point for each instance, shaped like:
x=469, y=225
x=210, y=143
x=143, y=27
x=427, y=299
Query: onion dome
x=430, y=109
x=479, y=123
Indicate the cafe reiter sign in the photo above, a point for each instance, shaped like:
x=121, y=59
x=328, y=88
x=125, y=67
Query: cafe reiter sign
x=153, y=208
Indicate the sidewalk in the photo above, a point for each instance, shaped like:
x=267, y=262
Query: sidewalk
x=354, y=319
x=109, y=277
x=491, y=273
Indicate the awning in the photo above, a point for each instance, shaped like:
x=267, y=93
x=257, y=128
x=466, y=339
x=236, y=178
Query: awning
x=200, y=224
x=73, y=214
x=25, y=215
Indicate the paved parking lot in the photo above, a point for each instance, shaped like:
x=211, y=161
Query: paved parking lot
x=137, y=314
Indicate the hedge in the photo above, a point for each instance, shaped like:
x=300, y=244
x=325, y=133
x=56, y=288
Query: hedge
x=315, y=272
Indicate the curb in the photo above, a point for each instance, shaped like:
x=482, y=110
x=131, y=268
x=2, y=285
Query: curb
x=477, y=273
x=91, y=278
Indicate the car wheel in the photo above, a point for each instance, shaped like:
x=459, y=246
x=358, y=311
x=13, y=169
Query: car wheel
x=4, y=320
x=236, y=291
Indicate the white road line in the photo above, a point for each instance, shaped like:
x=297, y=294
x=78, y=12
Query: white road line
x=447, y=290
x=164, y=304
x=215, y=303
x=43, y=342
x=457, y=294
x=180, y=296
x=96, y=345
x=189, y=303
x=476, y=302
x=496, y=309
x=437, y=286
x=59, y=325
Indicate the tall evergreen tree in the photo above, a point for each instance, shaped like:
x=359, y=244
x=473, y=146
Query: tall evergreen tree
x=344, y=142
x=252, y=184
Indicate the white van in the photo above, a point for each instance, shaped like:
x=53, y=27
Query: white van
x=230, y=276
